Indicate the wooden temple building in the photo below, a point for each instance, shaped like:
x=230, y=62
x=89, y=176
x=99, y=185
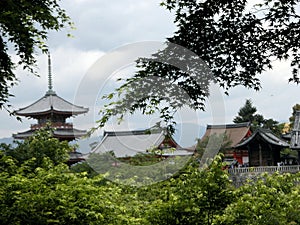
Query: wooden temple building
x=263, y=148
x=235, y=133
x=126, y=144
x=54, y=110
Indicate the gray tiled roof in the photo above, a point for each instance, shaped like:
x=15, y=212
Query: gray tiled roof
x=129, y=143
x=56, y=133
x=51, y=102
x=227, y=126
x=267, y=136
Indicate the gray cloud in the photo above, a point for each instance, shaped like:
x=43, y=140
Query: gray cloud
x=105, y=25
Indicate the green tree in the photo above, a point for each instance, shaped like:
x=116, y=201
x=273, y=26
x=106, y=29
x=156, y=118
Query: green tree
x=295, y=108
x=269, y=200
x=273, y=125
x=236, y=39
x=221, y=141
x=83, y=167
x=38, y=147
x=24, y=26
x=56, y=196
x=247, y=113
x=194, y=197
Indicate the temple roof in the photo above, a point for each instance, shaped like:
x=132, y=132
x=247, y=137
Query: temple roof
x=266, y=136
x=235, y=132
x=51, y=103
x=129, y=143
x=57, y=133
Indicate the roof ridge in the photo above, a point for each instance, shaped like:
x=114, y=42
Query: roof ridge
x=132, y=132
x=231, y=125
x=70, y=102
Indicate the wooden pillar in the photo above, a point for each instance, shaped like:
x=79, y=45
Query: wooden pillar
x=260, y=155
x=249, y=156
x=272, y=156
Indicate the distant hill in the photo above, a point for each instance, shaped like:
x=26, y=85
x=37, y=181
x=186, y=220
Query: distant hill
x=186, y=134
x=84, y=144
x=7, y=140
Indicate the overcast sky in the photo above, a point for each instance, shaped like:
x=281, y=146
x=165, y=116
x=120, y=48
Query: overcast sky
x=104, y=26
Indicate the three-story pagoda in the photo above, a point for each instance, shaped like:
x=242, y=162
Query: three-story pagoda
x=54, y=110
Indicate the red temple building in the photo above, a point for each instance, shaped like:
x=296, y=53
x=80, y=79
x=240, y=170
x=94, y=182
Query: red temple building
x=235, y=133
x=54, y=110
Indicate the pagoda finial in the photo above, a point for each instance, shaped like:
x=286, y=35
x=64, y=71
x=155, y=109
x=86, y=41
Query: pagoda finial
x=50, y=91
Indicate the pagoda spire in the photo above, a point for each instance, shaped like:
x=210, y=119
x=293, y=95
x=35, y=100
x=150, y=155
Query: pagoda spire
x=50, y=90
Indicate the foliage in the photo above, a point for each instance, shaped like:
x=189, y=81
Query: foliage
x=7, y=164
x=274, y=126
x=247, y=113
x=24, y=26
x=52, y=193
x=238, y=40
x=269, y=200
x=194, y=197
x=295, y=108
x=37, y=147
x=138, y=171
x=57, y=197
x=287, y=152
x=221, y=142
x=83, y=167
x=142, y=159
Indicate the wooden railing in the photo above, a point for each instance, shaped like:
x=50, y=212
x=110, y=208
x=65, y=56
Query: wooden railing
x=54, y=125
x=263, y=169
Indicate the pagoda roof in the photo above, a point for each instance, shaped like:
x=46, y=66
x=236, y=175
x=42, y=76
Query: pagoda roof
x=263, y=135
x=51, y=103
x=57, y=133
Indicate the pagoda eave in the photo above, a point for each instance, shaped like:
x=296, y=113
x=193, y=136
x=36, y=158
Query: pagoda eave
x=37, y=114
x=58, y=133
x=51, y=103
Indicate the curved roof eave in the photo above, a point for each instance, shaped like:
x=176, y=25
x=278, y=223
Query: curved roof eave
x=270, y=139
x=51, y=103
x=49, y=112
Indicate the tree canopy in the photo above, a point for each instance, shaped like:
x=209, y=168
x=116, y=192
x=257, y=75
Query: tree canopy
x=237, y=40
x=295, y=108
x=24, y=27
x=247, y=113
x=36, y=148
x=51, y=193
